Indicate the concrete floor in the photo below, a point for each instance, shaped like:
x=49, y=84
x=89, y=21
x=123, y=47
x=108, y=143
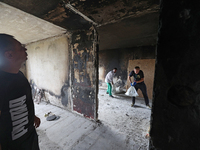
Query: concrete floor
x=122, y=128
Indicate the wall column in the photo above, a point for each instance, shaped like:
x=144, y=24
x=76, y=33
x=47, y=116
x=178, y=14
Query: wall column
x=84, y=73
x=176, y=101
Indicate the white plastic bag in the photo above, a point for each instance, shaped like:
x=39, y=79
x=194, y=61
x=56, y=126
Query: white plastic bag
x=113, y=89
x=131, y=92
x=116, y=89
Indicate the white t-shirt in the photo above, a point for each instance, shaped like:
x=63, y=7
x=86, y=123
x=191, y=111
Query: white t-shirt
x=109, y=77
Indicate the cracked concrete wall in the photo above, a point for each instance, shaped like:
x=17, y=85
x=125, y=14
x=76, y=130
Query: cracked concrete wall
x=176, y=103
x=48, y=69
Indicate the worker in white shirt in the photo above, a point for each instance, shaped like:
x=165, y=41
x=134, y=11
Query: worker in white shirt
x=109, y=81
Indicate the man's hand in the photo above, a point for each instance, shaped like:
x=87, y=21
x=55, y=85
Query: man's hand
x=36, y=122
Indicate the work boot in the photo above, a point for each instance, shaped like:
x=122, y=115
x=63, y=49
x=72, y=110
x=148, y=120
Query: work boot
x=107, y=93
x=132, y=105
x=148, y=106
x=111, y=96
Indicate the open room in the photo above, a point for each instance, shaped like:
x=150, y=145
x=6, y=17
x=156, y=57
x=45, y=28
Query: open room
x=124, y=44
x=63, y=51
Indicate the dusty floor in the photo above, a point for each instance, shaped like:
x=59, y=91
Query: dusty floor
x=122, y=127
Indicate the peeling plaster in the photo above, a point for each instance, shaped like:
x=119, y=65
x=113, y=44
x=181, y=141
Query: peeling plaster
x=104, y=11
x=100, y=12
x=83, y=73
x=78, y=12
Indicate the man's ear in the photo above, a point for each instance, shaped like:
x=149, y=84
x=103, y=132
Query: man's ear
x=8, y=54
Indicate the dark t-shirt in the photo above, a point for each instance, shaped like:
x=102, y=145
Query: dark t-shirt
x=17, y=108
x=138, y=76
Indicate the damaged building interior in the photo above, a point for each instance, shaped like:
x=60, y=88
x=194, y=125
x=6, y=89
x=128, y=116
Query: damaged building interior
x=73, y=44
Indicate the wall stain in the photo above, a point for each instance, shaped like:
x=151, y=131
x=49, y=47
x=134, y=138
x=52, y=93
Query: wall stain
x=64, y=92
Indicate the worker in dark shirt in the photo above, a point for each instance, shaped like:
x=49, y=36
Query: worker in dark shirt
x=138, y=83
x=17, y=115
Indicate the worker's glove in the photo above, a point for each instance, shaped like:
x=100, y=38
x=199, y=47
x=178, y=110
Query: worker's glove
x=133, y=84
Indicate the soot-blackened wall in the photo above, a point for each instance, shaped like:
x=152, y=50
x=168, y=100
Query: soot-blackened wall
x=84, y=68
x=176, y=102
x=119, y=58
x=65, y=69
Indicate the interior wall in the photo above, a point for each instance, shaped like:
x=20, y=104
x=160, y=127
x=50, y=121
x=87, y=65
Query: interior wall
x=119, y=58
x=48, y=69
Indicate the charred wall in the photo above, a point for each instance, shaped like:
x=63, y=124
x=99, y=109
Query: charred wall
x=63, y=71
x=83, y=72
x=119, y=58
x=176, y=102
x=67, y=76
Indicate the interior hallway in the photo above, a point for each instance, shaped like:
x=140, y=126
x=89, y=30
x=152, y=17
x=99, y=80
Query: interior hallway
x=122, y=127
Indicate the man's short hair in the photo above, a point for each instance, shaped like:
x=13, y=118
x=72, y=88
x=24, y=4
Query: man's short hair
x=137, y=67
x=115, y=68
x=5, y=43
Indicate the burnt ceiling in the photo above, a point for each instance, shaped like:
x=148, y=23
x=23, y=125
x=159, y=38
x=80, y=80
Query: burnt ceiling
x=109, y=16
x=104, y=11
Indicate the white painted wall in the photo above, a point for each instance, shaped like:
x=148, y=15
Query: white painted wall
x=48, y=65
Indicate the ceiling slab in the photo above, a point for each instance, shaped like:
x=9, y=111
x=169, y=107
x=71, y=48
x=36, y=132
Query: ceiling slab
x=130, y=32
x=120, y=23
x=25, y=27
x=34, y=7
x=104, y=11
